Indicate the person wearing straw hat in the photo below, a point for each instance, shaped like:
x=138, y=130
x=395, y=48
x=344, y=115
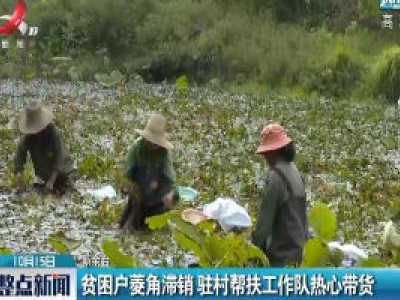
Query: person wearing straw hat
x=282, y=224
x=151, y=175
x=49, y=155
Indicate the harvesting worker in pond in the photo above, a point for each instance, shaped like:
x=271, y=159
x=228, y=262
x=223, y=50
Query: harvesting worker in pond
x=40, y=138
x=282, y=224
x=152, y=188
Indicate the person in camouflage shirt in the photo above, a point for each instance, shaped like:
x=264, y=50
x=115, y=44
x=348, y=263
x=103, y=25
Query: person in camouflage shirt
x=282, y=224
x=151, y=175
x=50, y=157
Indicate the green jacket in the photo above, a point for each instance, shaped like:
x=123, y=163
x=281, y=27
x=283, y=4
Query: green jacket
x=282, y=225
x=47, y=154
x=140, y=158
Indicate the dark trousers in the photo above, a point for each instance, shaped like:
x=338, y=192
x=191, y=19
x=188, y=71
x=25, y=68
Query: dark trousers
x=135, y=213
x=293, y=259
x=61, y=185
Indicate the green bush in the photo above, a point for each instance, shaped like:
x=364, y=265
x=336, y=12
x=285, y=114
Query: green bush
x=385, y=77
x=171, y=37
x=243, y=42
x=369, y=14
x=339, y=77
x=79, y=27
x=272, y=58
x=80, y=69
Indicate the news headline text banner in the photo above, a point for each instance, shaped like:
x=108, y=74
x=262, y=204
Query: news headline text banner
x=262, y=283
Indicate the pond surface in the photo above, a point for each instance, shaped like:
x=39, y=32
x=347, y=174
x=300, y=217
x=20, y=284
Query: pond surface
x=348, y=152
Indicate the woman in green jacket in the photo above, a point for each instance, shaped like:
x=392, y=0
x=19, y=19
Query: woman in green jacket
x=151, y=174
x=282, y=225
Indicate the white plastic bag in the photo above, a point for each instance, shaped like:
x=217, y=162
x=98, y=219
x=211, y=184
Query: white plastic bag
x=101, y=193
x=390, y=235
x=228, y=213
x=351, y=253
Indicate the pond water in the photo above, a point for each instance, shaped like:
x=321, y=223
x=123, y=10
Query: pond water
x=215, y=156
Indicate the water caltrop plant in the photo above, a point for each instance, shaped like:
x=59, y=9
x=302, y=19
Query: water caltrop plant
x=182, y=85
x=316, y=252
x=324, y=224
x=107, y=213
x=5, y=251
x=94, y=166
x=213, y=249
x=116, y=257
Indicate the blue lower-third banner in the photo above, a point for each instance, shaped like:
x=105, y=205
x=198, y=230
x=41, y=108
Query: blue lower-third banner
x=230, y=283
x=50, y=276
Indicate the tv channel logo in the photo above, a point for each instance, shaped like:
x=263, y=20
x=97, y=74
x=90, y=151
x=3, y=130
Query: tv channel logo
x=389, y=4
x=16, y=21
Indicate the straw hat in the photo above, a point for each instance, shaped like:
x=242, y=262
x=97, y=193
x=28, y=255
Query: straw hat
x=193, y=216
x=155, y=131
x=273, y=137
x=35, y=118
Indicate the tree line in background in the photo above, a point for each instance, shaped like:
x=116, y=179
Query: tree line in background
x=335, y=48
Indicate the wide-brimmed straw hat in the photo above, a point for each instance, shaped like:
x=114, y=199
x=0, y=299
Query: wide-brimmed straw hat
x=155, y=131
x=194, y=216
x=273, y=137
x=35, y=118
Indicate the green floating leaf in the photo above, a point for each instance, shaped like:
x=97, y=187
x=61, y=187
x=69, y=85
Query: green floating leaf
x=254, y=252
x=116, y=257
x=30, y=73
x=219, y=250
x=160, y=221
x=188, y=229
x=207, y=226
x=316, y=254
x=390, y=142
x=323, y=221
x=242, y=253
x=115, y=78
x=63, y=244
x=5, y=251
x=75, y=73
x=371, y=262
x=190, y=238
x=61, y=58
x=190, y=245
x=58, y=246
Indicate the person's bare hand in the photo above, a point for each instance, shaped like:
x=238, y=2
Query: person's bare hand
x=168, y=200
x=49, y=187
x=246, y=234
